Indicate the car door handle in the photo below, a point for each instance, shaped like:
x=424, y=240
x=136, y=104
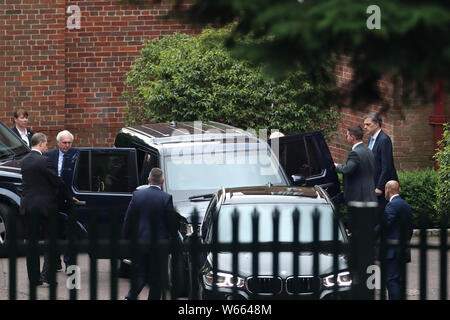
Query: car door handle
x=79, y=203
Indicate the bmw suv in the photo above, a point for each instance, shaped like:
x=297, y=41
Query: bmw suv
x=231, y=216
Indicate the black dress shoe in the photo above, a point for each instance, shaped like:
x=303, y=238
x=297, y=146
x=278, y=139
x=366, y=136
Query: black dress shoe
x=38, y=283
x=43, y=280
x=59, y=265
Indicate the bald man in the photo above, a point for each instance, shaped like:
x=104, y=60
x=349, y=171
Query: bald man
x=398, y=215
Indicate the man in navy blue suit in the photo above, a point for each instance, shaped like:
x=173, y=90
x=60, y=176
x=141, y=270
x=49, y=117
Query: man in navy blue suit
x=150, y=209
x=381, y=146
x=63, y=156
x=62, y=159
x=398, y=218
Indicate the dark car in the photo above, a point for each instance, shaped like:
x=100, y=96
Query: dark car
x=196, y=160
x=270, y=202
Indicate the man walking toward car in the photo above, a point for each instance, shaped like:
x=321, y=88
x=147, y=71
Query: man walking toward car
x=381, y=146
x=39, y=202
x=150, y=210
x=358, y=171
x=61, y=159
x=398, y=217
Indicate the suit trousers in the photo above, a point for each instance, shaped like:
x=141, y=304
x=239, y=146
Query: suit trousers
x=37, y=227
x=382, y=202
x=393, y=278
x=151, y=270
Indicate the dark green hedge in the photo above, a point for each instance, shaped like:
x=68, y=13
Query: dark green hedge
x=418, y=189
x=195, y=78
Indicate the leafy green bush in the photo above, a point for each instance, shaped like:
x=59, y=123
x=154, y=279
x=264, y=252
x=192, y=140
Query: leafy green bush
x=187, y=78
x=443, y=182
x=418, y=189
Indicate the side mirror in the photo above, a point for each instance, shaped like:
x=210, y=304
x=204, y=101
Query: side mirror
x=298, y=180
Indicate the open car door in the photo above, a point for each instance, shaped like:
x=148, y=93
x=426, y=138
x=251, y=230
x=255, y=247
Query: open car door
x=104, y=180
x=307, y=161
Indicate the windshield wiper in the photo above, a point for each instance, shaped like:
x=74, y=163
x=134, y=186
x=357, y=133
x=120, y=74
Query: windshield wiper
x=201, y=197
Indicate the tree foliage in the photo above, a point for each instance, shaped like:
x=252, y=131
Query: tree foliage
x=187, y=78
x=443, y=185
x=412, y=43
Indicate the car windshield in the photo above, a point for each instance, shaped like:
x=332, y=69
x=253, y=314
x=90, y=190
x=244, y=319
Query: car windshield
x=10, y=144
x=201, y=173
x=286, y=229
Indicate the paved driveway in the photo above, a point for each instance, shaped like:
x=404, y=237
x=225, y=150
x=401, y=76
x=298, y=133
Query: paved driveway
x=103, y=275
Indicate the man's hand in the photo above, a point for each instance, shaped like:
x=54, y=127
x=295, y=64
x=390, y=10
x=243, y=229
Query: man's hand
x=378, y=192
x=75, y=199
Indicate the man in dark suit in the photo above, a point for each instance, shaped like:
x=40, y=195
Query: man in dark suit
x=63, y=158
x=398, y=216
x=381, y=146
x=358, y=171
x=39, y=202
x=20, y=126
x=150, y=209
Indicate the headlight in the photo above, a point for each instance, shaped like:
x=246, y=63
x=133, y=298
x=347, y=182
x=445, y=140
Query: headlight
x=344, y=279
x=224, y=280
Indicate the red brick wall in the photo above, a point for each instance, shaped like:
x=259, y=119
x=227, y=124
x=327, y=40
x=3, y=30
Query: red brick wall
x=73, y=79
x=32, y=53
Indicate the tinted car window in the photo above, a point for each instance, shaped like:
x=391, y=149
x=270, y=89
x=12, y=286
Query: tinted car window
x=295, y=162
x=300, y=157
x=314, y=162
x=286, y=229
x=199, y=174
x=103, y=172
x=10, y=143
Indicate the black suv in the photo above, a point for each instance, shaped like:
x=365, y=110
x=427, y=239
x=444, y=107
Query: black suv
x=269, y=203
x=197, y=160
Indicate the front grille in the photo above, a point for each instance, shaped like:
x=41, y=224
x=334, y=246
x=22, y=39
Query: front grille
x=264, y=285
x=301, y=285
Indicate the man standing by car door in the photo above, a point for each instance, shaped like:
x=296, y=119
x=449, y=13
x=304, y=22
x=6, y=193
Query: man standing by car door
x=150, y=210
x=39, y=202
x=381, y=146
x=62, y=157
x=359, y=169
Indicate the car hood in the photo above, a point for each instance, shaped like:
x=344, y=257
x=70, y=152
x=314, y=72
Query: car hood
x=186, y=208
x=11, y=168
x=285, y=264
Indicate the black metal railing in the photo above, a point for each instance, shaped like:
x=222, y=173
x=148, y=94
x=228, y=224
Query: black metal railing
x=198, y=264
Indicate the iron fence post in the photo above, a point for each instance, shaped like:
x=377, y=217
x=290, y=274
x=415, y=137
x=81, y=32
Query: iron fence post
x=362, y=243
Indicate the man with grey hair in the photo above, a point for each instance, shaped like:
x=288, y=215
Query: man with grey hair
x=381, y=146
x=150, y=216
x=39, y=202
x=63, y=159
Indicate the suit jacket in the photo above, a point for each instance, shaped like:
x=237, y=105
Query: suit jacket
x=69, y=159
x=358, y=175
x=149, y=205
x=40, y=184
x=29, y=134
x=396, y=210
x=384, y=161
